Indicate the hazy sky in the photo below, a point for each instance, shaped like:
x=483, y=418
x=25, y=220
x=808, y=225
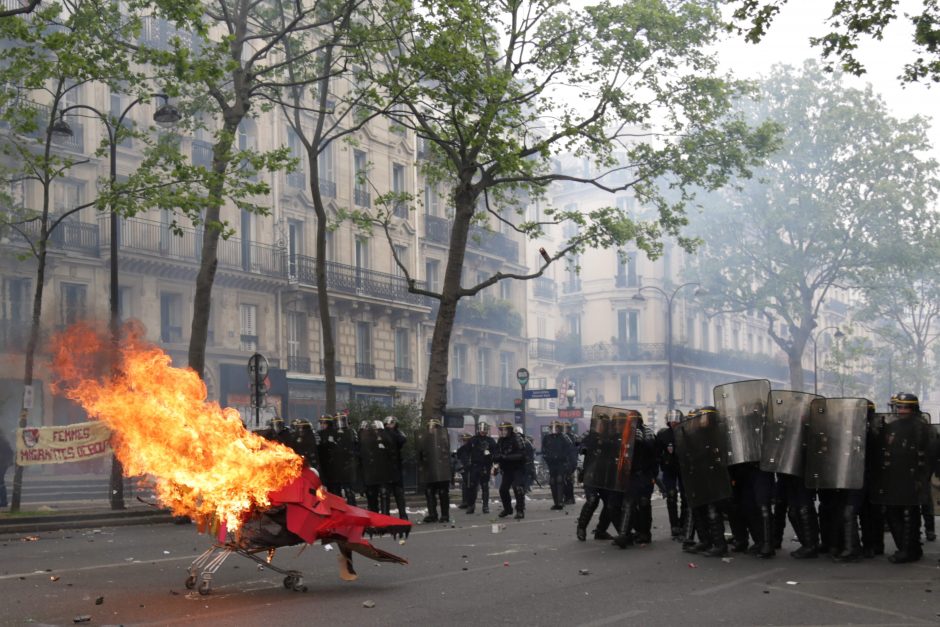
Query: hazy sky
x=787, y=42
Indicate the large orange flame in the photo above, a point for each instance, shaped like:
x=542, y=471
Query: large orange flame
x=206, y=465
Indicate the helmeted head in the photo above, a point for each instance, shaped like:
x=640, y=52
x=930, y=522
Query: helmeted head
x=465, y=437
x=569, y=427
x=674, y=416
x=434, y=423
x=505, y=429
x=602, y=424
x=342, y=421
x=708, y=411
x=907, y=403
x=277, y=424
x=391, y=422
x=556, y=427
x=483, y=428
x=301, y=425
x=326, y=421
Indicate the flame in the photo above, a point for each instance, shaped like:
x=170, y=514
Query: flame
x=205, y=464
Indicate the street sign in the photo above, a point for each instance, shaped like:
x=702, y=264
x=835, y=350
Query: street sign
x=522, y=375
x=571, y=413
x=518, y=417
x=549, y=393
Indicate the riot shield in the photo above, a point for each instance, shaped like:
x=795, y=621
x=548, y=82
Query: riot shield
x=345, y=457
x=612, y=450
x=700, y=448
x=433, y=456
x=741, y=409
x=376, y=461
x=835, y=444
x=901, y=474
x=782, y=438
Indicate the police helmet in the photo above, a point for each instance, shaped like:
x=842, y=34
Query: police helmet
x=906, y=400
x=390, y=421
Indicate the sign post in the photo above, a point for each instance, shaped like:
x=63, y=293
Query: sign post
x=257, y=371
x=522, y=376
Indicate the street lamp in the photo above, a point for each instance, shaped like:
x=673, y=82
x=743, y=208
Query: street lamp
x=838, y=335
x=670, y=298
x=165, y=115
x=570, y=396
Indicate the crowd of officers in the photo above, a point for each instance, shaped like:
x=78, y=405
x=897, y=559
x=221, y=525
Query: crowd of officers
x=837, y=470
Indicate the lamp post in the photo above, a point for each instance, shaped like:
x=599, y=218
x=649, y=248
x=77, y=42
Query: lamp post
x=165, y=115
x=670, y=299
x=570, y=396
x=838, y=335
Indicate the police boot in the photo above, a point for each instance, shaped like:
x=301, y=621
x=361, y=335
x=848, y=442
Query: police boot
x=643, y=523
x=909, y=550
x=557, y=496
x=851, y=551
x=569, y=489
x=780, y=523
x=385, y=500
x=930, y=533
x=766, y=533
x=519, y=491
x=672, y=509
x=716, y=533
x=624, y=536
x=688, y=532
x=399, y=491
x=485, y=494
x=590, y=505
x=432, y=506
x=738, y=524
x=444, y=494
x=603, y=522
x=809, y=533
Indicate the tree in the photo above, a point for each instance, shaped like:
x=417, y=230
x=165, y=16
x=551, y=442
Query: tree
x=902, y=308
x=828, y=210
x=228, y=77
x=497, y=89
x=849, y=22
x=334, y=114
x=49, y=57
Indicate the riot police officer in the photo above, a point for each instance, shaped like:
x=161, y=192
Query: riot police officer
x=511, y=460
x=638, y=495
x=557, y=455
x=339, y=454
x=462, y=457
x=573, y=454
x=304, y=441
x=434, y=470
x=376, y=464
x=482, y=452
x=396, y=485
x=669, y=466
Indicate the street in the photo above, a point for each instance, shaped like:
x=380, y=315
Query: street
x=531, y=572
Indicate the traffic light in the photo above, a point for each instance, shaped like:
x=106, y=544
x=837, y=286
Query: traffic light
x=517, y=404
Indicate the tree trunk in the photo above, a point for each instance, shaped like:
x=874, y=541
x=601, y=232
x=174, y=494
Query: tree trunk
x=202, y=300
x=435, y=397
x=795, y=362
x=30, y=357
x=323, y=300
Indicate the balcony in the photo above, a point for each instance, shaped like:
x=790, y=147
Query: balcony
x=338, y=367
x=365, y=370
x=541, y=348
x=401, y=210
x=361, y=197
x=297, y=179
x=327, y=187
x=406, y=375
x=295, y=363
x=571, y=286
x=254, y=258
x=352, y=280
x=69, y=235
x=460, y=394
x=249, y=343
x=171, y=335
x=544, y=288
x=438, y=230
x=202, y=153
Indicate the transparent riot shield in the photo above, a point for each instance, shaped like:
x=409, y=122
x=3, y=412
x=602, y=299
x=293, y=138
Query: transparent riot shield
x=700, y=448
x=741, y=409
x=610, y=448
x=782, y=437
x=434, y=456
x=346, y=456
x=900, y=476
x=376, y=461
x=835, y=444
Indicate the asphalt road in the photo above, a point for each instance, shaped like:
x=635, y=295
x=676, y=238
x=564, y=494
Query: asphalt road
x=533, y=572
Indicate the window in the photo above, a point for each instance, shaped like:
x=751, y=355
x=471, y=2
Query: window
x=73, y=305
x=483, y=366
x=296, y=331
x=704, y=341
x=458, y=366
x=505, y=289
x=431, y=271
x=402, y=253
x=402, y=354
x=398, y=186
x=629, y=387
x=16, y=301
x=326, y=173
x=574, y=324
x=245, y=233
x=541, y=326
x=296, y=149
x=626, y=270
x=295, y=232
x=432, y=200
x=690, y=330
x=735, y=339
x=627, y=326
x=507, y=373
x=248, y=320
x=362, y=260
x=719, y=338
x=124, y=303
x=66, y=195
x=171, y=317
x=361, y=194
x=364, y=366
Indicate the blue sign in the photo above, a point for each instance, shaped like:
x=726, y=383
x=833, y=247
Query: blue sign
x=549, y=393
x=518, y=418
